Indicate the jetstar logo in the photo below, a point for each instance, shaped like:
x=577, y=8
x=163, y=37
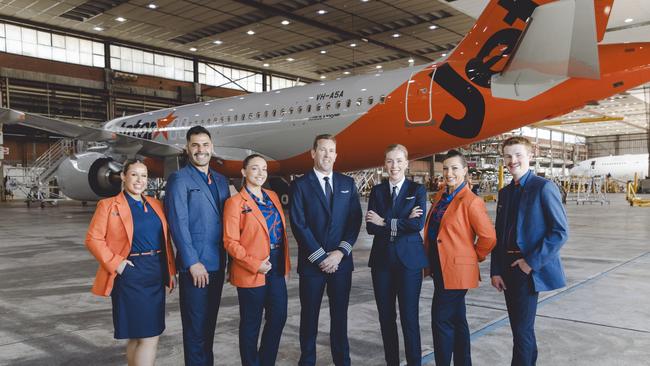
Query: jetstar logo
x=480, y=68
x=149, y=130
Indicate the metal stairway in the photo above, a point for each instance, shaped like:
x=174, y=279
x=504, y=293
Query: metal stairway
x=37, y=181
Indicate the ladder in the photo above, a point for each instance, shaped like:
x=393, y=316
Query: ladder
x=39, y=175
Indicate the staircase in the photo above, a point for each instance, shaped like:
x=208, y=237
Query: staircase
x=38, y=176
x=365, y=180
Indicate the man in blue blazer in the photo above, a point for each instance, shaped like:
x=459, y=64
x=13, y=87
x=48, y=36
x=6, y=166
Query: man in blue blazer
x=325, y=220
x=531, y=228
x=395, y=218
x=194, y=202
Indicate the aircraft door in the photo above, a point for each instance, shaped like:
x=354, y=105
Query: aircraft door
x=418, y=97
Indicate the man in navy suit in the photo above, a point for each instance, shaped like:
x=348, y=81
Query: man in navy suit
x=194, y=204
x=325, y=220
x=395, y=218
x=531, y=228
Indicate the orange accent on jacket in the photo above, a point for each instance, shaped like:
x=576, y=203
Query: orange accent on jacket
x=110, y=235
x=465, y=219
x=246, y=239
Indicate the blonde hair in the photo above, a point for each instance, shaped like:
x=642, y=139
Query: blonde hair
x=398, y=147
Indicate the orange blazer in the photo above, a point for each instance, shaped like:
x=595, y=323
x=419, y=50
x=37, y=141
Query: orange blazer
x=110, y=235
x=465, y=219
x=246, y=238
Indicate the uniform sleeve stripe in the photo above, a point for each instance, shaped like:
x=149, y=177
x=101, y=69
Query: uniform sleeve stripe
x=315, y=255
x=345, y=245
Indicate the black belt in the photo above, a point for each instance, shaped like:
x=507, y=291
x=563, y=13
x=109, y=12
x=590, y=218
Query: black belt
x=151, y=252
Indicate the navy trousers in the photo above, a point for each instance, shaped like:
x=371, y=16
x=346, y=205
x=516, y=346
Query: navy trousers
x=404, y=285
x=450, y=329
x=521, y=301
x=199, y=309
x=270, y=299
x=311, y=294
x=448, y=319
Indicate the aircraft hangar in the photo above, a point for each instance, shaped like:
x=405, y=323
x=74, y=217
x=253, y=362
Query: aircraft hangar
x=69, y=67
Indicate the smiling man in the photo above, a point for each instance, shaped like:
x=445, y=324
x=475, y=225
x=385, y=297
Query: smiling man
x=194, y=202
x=325, y=219
x=531, y=228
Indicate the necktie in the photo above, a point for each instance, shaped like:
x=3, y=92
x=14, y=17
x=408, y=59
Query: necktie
x=328, y=191
x=394, y=194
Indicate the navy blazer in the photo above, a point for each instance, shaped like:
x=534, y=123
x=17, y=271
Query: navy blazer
x=195, y=219
x=542, y=229
x=319, y=229
x=404, y=231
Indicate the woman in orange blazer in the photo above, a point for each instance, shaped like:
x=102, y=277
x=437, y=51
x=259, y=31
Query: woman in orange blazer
x=456, y=219
x=128, y=237
x=255, y=237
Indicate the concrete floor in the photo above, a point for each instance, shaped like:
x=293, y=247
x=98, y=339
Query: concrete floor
x=49, y=317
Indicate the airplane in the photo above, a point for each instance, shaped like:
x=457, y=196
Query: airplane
x=620, y=167
x=522, y=62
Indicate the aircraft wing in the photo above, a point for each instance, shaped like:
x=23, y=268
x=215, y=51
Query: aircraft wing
x=123, y=144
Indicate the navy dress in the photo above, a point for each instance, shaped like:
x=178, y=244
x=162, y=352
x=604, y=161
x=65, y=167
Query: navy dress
x=138, y=294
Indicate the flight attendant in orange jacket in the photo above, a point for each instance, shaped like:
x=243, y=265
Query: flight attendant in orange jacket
x=255, y=238
x=456, y=219
x=128, y=237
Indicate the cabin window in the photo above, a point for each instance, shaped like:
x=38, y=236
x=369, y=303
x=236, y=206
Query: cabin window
x=250, y=115
x=235, y=118
x=348, y=103
x=317, y=107
x=328, y=105
x=371, y=100
x=308, y=108
x=299, y=109
x=382, y=99
x=282, y=112
x=259, y=115
x=338, y=104
x=290, y=110
x=266, y=114
x=228, y=118
x=359, y=101
x=274, y=112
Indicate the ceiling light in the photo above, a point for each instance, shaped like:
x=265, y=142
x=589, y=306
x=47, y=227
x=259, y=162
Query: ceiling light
x=322, y=11
x=433, y=26
x=444, y=55
x=266, y=65
x=290, y=59
x=411, y=60
x=378, y=67
x=364, y=1
x=99, y=29
x=323, y=76
x=346, y=73
x=285, y=22
x=152, y=6
x=193, y=49
x=322, y=52
x=395, y=35
x=217, y=42
x=629, y=20
x=120, y=19
x=353, y=44
x=250, y=32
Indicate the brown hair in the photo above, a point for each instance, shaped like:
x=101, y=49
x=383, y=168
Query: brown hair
x=517, y=140
x=325, y=136
x=127, y=164
x=457, y=154
x=251, y=157
x=398, y=147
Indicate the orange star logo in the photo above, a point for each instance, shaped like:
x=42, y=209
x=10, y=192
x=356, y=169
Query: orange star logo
x=162, y=123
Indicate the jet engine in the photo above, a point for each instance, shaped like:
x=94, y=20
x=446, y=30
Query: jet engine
x=89, y=176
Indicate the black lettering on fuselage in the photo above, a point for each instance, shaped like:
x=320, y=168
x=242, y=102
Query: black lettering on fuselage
x=479, y=72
